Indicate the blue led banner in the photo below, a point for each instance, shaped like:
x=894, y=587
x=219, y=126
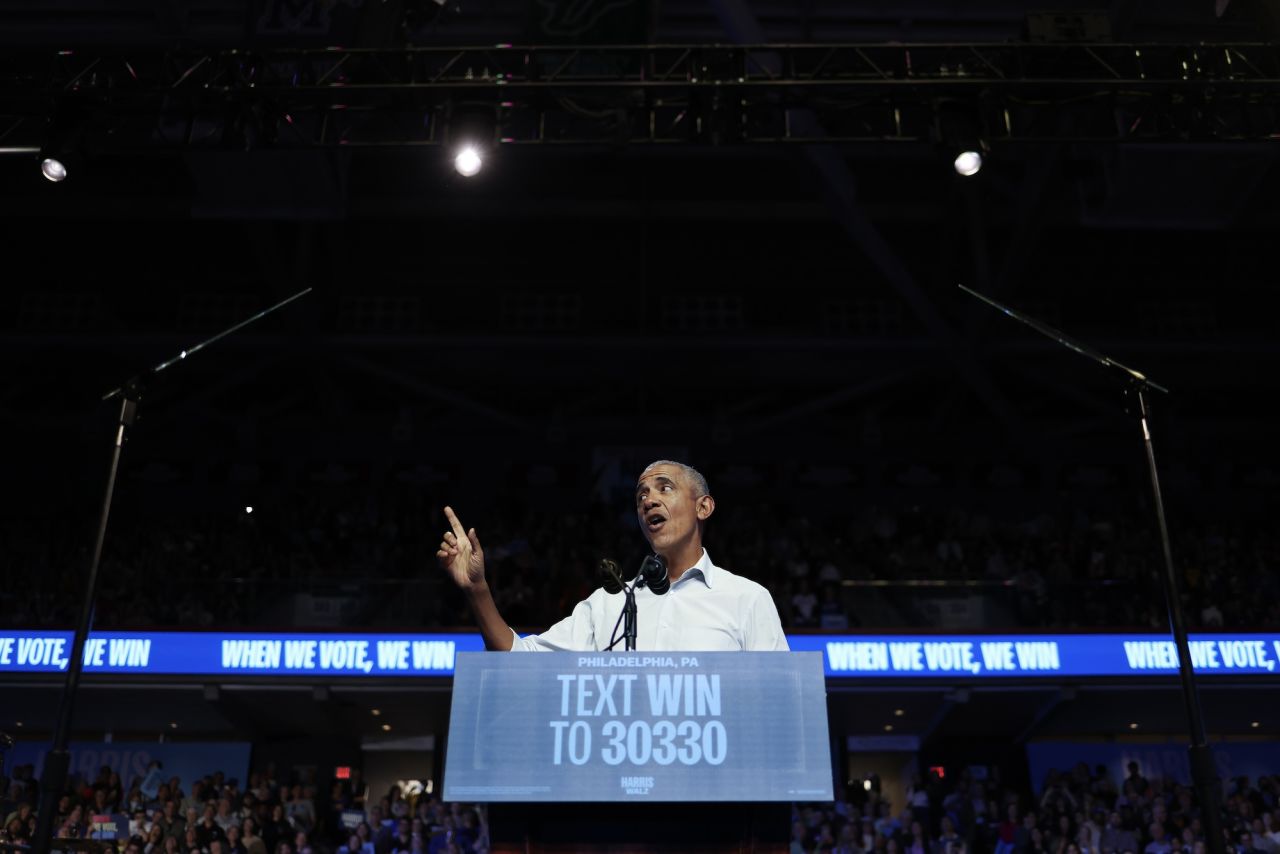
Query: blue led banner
x=239, y=653
x=997, y=656
x=844, y=656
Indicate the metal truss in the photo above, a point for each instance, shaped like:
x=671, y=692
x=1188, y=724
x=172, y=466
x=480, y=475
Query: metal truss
x=706, y=94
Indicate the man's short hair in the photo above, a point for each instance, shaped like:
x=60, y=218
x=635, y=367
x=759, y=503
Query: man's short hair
x=699, y=482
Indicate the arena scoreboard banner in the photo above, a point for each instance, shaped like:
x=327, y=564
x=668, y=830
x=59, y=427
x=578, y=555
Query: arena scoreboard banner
x=239, y=653
x=658, y=726
x=1001, y=656
x=899, y=656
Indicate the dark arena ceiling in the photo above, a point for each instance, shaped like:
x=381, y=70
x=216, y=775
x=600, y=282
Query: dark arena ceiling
x=752, y=217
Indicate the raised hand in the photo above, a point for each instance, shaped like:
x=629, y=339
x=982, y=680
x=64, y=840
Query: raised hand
x=460, y=554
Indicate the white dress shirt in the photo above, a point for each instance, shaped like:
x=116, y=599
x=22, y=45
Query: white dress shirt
x=708, y=609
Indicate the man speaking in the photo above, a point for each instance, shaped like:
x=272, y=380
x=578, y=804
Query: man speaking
x=707, y=607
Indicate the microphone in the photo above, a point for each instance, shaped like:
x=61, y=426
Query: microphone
x=610, y=576
x=654, y=573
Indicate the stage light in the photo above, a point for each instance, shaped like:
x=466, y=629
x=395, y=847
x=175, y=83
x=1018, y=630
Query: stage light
x=386, y=727
x=375, y=712
x=173, y=724
x=468, y=161
x=53, y=169
x=866, y=785
x=1133, y=726
x=960, y=136
x=62, y=152
x=968, y=163
x=897, y=713
x=248, y=508
x=471, y=133
x=1255, y=724
x=888, y=727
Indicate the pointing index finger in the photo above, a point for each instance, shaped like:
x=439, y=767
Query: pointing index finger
x=458, y=530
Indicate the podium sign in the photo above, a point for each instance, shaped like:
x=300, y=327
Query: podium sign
x=638, y=726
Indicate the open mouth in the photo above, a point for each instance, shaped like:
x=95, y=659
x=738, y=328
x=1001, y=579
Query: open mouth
x=654, y=522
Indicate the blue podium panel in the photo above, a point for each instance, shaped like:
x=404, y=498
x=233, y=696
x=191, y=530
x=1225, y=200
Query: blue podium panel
x=694, y=726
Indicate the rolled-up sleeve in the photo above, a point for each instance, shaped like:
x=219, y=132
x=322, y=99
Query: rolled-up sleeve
x=575, y=632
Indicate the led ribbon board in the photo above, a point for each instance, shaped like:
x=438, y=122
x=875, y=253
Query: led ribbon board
x=239, y=653
x=999, y=656
x=906, y=656
x=568, y=726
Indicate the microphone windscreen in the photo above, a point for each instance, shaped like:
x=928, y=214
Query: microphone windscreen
x=654, y=571
x=610, y=576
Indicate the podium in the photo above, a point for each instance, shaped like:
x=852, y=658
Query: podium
x=638, y=751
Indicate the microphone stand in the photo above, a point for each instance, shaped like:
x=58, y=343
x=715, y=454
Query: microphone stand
x=629, y=627
x=1137, y=392
x=53, y=779
x=627, y=619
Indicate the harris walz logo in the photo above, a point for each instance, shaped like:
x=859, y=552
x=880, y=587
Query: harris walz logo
x=637, y=785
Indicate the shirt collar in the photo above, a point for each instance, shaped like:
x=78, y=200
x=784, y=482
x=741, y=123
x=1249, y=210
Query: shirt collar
x=704, y=567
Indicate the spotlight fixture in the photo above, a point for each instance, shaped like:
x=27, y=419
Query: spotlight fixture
x=63, y=150
x=888, y=727
x=471, y=131
x=375, y=712
x=897, y=713
x=959, y=132
x=53, y=169
x=468, y=161
x=386, y=727
x=968, y=162
x=1133, y=726
x=248, y=508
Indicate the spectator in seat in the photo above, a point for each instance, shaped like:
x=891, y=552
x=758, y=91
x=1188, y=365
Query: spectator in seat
x=402, y=839
x=1007, y=831
x=918, y=843
x=1159, y=843
x=1116, y=837
x=15, y=829
x=208, y=830
x=21, y=809
x=356, y=844
x=155, y=840
x=948, y=838
x=804, y=605
x=234, y=843
x=170, y=822
x=252, y=842
x=1135, y=777
x=1261, y=840
x=276, y=829
x=301, y=810
x=195, y=800
x=224, y=817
